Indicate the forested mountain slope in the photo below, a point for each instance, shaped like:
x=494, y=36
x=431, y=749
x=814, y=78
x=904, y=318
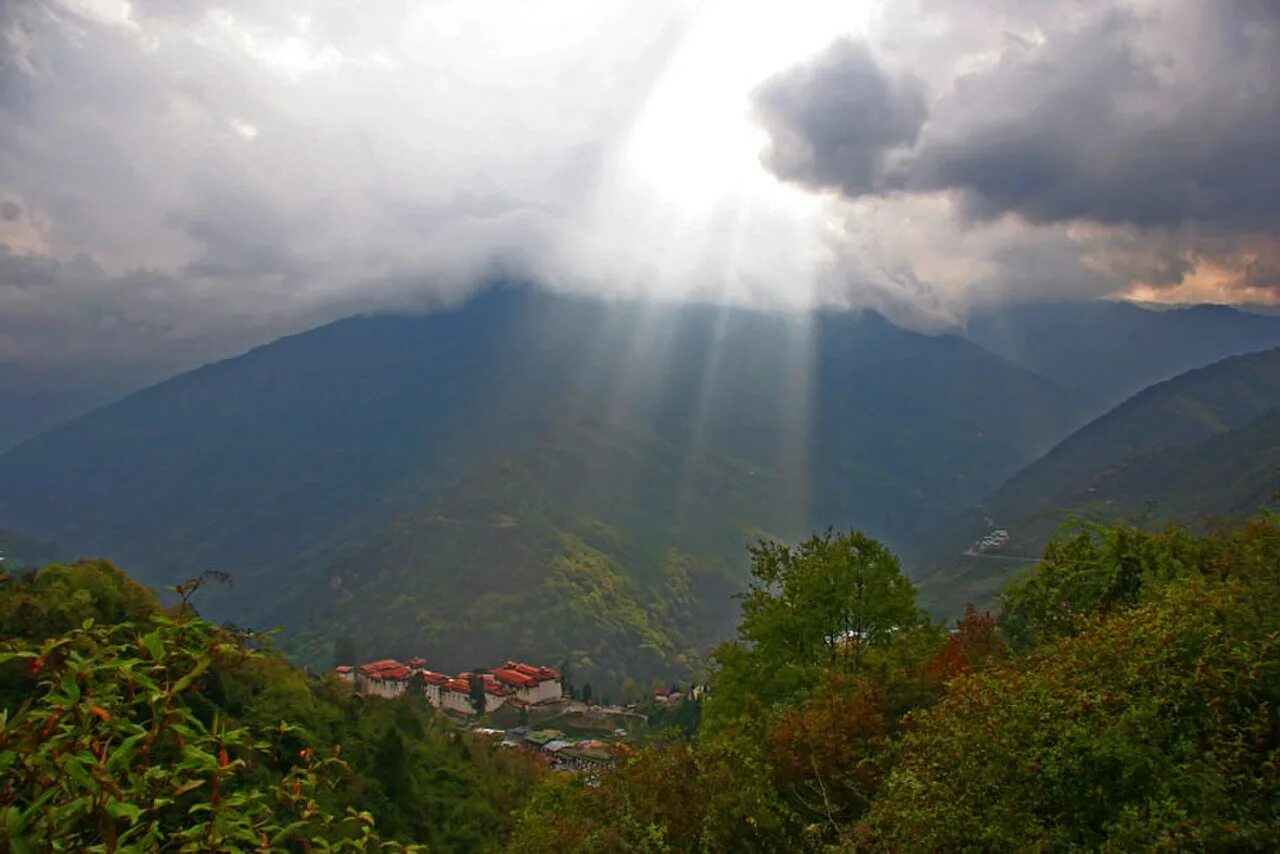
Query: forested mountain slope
x=330, y=464
x=1204, y=444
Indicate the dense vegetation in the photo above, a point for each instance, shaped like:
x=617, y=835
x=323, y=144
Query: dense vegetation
x=1126, y=698
x=127, y=726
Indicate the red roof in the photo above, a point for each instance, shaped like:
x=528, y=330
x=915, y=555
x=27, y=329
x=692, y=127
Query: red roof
x=417, y=663
x=342, y=668
x=514, y=677
x=496, y=688
x=386, y=668
x=540, y=674
x=458, y=685
x=434, y=678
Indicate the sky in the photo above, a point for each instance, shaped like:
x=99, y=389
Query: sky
x=182, y=180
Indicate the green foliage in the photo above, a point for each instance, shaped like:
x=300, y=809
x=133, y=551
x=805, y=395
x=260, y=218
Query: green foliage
x=1135, y=709
x=827, y=597
x=1136, y=712
x=1148, y=727
x=823, y=604
x=139, y=727
x=109, y=753
x=1101, y=568
x=794, y=740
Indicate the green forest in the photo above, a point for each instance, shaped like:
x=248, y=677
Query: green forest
x=1125, y=696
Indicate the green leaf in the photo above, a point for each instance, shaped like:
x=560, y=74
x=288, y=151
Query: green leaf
x=185, y=682
x=70, y=687
x=285, y=832
x=188, y=786
x=124, y=809
x=154, y=644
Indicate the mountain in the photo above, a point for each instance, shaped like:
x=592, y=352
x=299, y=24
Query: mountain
x=530, y=473
x=18, y=551
x=1206, y=443
x=32, y=409
x=1112, y=350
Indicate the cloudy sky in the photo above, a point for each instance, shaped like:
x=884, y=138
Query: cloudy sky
x=180, y=180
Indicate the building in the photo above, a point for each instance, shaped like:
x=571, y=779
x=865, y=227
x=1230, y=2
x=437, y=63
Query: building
x=586, y=759
x=383, y=678
x=496, y=694
x=512, y=683
x=455, y=696
x=530, y=684
x=432, y=685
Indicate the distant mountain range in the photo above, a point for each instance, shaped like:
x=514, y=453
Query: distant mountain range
x=532, y=475
x=1112, y=350
x=1204, y=444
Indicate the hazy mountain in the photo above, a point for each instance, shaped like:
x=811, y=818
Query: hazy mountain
x=18, y=551
x=1206, y=443
x=1111, y=350
x=27, y=409
x=530, y=452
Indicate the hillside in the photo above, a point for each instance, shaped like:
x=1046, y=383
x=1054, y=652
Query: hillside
x=1206, y=443
x=133, y=727
x=1111, y=350
x=18, y=551
x=331, y=464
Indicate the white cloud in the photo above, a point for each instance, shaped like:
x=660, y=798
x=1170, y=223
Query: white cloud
x=194, y=178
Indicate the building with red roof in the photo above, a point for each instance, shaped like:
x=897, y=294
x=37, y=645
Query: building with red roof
x=385, y=677
x=531, y=684
x=513, y=682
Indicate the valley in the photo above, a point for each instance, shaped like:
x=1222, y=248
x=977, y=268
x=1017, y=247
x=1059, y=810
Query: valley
x=490, y=481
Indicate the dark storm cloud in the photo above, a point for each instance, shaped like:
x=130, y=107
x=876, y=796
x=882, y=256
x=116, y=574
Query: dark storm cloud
x=1151, y=117
x=834, y=121
x=1079, y=148
x=1092, y=125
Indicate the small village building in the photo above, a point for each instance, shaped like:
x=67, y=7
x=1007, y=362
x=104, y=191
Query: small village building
x=522, y=684
x=539, y=738
x=386, y=678
x=530, y=684
x=586, y=758
x=431, y=686
x=455, y=696
x=496, y=694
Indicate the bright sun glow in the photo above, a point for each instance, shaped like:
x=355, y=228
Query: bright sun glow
x=690, y=175
x=695, y=138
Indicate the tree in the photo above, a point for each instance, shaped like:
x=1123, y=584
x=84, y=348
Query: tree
x=975, y=641
x=1098, y=568
x=630, y=690
x=475, y=688
x=823, y=604
x=824, y=599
